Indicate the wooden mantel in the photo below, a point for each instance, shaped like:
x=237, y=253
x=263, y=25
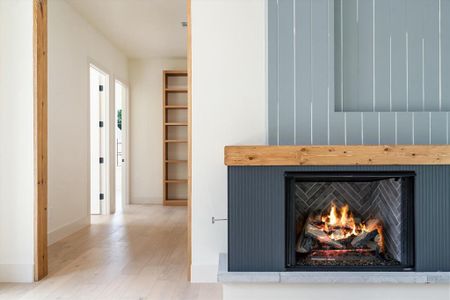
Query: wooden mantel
x=337, y=155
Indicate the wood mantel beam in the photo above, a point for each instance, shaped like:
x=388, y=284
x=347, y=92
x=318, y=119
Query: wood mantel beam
x=338, y=155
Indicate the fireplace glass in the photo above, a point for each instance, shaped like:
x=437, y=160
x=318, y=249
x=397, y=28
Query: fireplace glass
x=350, y=221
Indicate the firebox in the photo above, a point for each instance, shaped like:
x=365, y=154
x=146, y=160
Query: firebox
x=350, y=221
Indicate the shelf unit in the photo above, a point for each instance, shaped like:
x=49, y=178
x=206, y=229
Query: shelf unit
x=175, y=138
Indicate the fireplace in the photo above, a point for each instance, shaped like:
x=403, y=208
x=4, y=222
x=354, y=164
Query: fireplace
x=350, y=221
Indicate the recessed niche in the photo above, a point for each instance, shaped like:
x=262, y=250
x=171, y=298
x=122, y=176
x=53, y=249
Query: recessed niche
x=392, y=55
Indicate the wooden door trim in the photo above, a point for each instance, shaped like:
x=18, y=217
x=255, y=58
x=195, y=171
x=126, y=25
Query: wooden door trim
x=40, y=137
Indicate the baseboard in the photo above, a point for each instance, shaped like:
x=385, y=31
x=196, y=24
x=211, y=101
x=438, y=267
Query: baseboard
x=146, y=200
x=204, y=273
x=16, y=273
x=66, y=230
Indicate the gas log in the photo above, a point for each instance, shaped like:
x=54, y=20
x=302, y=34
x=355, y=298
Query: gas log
x=364, y=238
x=318, y=233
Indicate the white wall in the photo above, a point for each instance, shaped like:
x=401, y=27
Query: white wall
x=146, y=128
x=72, y=44
x=228, y=108
x=16, y=134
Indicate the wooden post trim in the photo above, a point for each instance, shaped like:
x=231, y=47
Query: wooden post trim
x=40, y=136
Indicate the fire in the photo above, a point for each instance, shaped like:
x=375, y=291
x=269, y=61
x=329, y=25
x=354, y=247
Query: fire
x=340, y=224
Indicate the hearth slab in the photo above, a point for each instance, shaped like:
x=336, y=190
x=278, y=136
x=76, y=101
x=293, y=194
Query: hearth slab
x=223, y=276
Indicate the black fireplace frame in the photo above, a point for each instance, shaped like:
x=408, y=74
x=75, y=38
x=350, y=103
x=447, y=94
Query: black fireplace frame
x=408, y=235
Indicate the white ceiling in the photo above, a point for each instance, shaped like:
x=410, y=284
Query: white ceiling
x=140, y=28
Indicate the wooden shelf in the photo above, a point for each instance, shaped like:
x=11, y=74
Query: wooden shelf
x=176, y=107
x=339, y=155
x=176, y=181
x=176, y=90
x=176, y=141
x=179, y=73
x=176, y=124
x=177, y=202
x=175, y=112
x=176, y=161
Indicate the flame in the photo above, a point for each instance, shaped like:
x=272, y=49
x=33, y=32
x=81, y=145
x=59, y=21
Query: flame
x=344, y=213
x=333, y=215
x=340, y=224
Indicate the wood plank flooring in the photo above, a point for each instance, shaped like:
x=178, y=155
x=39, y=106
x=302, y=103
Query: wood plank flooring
x=140, y=254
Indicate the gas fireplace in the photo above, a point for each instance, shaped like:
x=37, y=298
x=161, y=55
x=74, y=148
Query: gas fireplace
x=350, y=221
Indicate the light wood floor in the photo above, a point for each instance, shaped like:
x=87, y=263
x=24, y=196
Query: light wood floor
x=140, y=254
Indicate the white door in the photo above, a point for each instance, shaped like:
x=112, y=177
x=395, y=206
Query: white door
x=121, y=140
x=98, y=98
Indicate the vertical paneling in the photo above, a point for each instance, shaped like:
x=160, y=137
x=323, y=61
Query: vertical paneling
x=337, y=69
x=256, y=212
x=398, y=84
x=305, y=84
x=354, y=128
x=370, y=129
x=364, y=53
x=414, y=31
x=438, y=128
x=272, y=68
x=431, y=55
x=303, y=71
x=387, y=128
x=286, y=59
x=319, y=61
x=382, y=52
x=421, y=127
x=445, y=54
x=349, y=61
x=404, y=128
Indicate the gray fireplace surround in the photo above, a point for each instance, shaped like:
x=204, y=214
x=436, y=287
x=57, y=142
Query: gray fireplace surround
x=256, y=227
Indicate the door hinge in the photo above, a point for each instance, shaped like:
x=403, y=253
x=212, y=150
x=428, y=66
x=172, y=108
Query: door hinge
x=100, y=88
x=100, y=124
x=101, y=160
x=102, y=196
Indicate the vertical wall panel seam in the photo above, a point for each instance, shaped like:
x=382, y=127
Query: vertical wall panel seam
x=312, y=72
x=328, y=71
x=278, y=73
x=373, y=57
x=295, y=73
x=440, y=57
x=429, y=128
x=423, y=74
x=342, y=61
x=407, y=70
x=446, y=127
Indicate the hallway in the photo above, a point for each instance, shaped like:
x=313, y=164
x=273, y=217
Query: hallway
x=140, y=254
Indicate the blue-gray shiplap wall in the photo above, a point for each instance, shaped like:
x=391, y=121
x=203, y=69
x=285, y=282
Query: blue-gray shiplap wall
x=302, y=104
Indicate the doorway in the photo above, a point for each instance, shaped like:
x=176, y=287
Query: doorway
x=121, y=145
x=99, y=153
x=99, y=91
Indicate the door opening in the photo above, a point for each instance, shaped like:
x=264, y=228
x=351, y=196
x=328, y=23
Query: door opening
x=99, y=91
x=121, y=130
